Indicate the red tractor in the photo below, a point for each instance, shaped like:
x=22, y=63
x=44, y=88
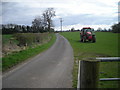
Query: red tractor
x=87, y=34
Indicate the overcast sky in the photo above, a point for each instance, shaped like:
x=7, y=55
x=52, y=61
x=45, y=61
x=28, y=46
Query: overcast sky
x=75, y=13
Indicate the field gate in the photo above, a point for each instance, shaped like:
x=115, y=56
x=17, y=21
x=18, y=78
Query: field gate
x=88, y=74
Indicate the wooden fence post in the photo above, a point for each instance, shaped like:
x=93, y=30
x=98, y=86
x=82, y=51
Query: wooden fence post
x=89, y=74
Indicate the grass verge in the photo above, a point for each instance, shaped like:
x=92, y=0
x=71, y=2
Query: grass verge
x=106, y=46
x=17, y=57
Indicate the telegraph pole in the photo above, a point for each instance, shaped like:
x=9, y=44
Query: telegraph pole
x=61, y=23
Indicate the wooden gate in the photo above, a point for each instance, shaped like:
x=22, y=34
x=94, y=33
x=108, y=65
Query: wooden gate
x=88, y=76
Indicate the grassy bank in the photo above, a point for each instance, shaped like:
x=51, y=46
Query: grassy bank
x=17, y=57
x=106, y=45
x=6, y=38
x=19, y=41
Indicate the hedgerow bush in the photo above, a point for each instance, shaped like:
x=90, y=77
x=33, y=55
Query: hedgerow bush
x=28, y=39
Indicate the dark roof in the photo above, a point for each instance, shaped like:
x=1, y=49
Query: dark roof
x=86, y=28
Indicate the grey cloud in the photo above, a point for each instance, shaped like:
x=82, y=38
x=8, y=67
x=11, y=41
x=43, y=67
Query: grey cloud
x=14, y=12
x=87, y=19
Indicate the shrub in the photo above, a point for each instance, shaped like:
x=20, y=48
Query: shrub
x=28, y=39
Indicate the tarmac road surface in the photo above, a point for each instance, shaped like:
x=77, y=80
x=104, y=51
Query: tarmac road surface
x=50, y=69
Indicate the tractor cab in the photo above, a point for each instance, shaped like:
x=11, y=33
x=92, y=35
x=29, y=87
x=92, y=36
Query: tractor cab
x=87, y=30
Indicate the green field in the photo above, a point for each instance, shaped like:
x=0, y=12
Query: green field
x=106, y=46
x=6, y=39
x=13, y=59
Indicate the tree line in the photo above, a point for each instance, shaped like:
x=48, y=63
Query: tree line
x=116, y=28
x=40, y=24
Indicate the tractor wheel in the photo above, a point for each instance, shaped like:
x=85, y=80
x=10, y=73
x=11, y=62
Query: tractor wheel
x=94, y=39
x=81, y=40
x=89, y=40
x=84, y=39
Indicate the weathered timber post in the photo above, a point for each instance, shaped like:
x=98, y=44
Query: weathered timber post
x=89, y=74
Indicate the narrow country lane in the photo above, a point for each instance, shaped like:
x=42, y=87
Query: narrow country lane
x=50, y=69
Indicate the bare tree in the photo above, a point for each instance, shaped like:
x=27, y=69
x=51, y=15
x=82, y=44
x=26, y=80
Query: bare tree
x=72, y=29
x=99, y=29
x=47, y=15
x=37, y=21
x=44, y=23
x=37, y=24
